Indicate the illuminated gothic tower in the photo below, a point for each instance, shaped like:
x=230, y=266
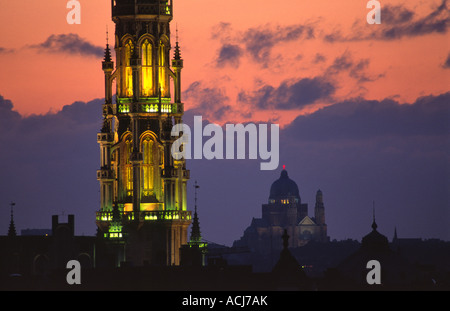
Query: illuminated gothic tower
x=143, y=209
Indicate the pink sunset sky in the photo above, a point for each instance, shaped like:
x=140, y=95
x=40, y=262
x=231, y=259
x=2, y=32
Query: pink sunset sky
x=304, y=39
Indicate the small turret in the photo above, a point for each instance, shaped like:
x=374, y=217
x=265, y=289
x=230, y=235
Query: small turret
x=319, y=210
x=319, y=196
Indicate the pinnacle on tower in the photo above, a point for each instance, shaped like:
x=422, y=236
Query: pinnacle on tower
x=107, y=60
x=177, y=52
x=107, y=57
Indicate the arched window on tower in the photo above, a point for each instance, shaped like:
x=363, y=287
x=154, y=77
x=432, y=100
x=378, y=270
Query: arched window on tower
x=147, y=73
x=128, y=74
x=128, y=167
x=162, y=68
x=147, y=166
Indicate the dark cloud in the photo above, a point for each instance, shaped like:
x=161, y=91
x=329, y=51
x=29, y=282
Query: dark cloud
x=209, y=102
x=396, y=14
x=229, y=54
x=447, y=62
x=360, y=119
x=319, y=58
x=9, y=120
x=221, y=31
x=398, y=22
x=259, y=41
x=290, y=94
x=436, y=22
x=69, y=44
x=4, y=50
x=6, y=110
x=356, y=69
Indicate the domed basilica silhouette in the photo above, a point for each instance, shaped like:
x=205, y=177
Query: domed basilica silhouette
x=285, y=210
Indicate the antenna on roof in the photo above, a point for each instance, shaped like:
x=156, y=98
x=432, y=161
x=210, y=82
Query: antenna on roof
x=374, y=224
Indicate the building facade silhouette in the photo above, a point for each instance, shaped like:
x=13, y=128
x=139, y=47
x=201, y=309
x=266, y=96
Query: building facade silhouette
x=143, y=209
x=285, y=210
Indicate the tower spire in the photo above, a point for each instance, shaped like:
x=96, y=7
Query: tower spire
x=12, y=227
x=195, y=233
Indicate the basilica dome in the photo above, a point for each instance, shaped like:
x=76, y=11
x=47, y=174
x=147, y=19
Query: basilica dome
x=284, y=188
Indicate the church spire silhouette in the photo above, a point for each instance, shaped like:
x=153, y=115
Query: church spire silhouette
x=196, y=236
x=12, y=227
